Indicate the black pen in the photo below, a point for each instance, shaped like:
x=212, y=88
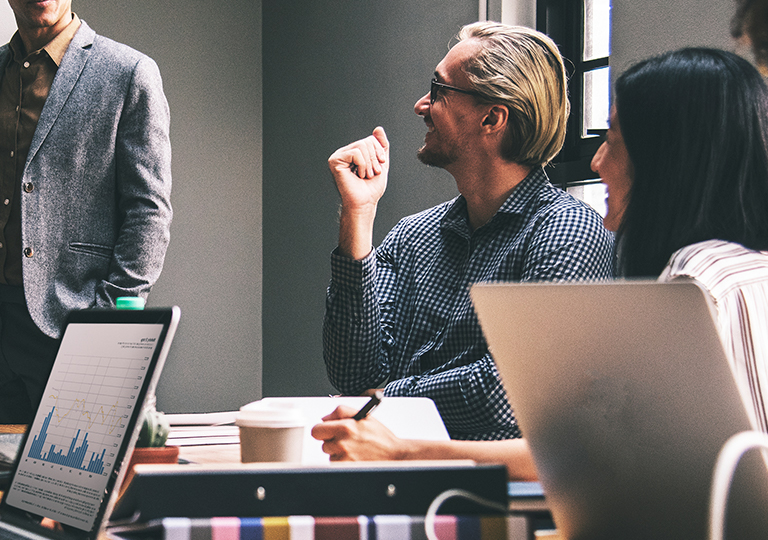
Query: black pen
x=368, y=407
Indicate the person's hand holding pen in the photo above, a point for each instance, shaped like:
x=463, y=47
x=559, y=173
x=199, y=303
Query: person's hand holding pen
x=350, y=435
x=372, y=403
x=347, y=439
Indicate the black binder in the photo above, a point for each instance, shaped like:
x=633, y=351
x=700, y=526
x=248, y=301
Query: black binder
x=158, y=491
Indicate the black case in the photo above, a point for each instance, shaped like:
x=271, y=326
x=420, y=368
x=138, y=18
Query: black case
x=352, y=490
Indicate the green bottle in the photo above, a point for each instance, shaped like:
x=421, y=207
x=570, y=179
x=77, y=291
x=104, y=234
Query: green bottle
x=129, y=302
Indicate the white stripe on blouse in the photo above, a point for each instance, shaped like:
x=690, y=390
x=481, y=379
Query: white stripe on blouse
x=737, y=280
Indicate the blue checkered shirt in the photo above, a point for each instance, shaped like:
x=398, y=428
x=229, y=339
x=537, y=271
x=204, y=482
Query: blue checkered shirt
x=403, y=314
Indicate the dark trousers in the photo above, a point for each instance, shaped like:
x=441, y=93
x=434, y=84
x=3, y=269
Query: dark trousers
x=26, y=358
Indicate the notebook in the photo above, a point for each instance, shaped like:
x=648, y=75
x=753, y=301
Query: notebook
x=406, y=417
x=68, y=468
x=625, y=396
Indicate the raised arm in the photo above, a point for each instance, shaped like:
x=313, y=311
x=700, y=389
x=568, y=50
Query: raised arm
x=360, y=170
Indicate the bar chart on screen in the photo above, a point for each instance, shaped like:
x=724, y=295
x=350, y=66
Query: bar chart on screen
x=74, y=456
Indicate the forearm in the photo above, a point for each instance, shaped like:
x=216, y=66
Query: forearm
x=353, y=346
x=470, y=399
x=512, y=453
x=356, y=231
x=345, y=439
x=138, y=257
x=143, y=187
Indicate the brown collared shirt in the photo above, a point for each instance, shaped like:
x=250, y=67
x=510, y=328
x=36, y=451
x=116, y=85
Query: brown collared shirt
x=24, y=87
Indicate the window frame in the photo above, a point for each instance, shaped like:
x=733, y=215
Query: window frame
x=563, y=21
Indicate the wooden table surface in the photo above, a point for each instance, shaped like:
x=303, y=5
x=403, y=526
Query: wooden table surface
x=210, y=453
x=13, y=428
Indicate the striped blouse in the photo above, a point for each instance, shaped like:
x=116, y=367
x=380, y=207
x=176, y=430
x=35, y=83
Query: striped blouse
x=737, y=280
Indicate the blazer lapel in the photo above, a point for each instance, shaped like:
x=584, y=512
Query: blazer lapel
x=67, y=75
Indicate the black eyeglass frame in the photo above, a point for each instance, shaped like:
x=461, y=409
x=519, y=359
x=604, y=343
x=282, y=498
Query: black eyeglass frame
x=436, y=86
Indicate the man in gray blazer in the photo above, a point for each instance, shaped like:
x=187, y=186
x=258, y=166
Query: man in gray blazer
x=85, y=180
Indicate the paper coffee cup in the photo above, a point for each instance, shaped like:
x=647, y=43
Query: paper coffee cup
x=270, y=432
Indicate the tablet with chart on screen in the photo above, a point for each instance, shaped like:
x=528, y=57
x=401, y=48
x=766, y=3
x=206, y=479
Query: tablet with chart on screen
x=68, y=465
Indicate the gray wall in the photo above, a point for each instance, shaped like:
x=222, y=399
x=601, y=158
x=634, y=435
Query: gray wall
x=640, y=29
x=209, y=54
x=7, y=23
x=334, y=70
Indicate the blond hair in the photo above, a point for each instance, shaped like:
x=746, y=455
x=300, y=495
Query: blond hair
x=522, y=69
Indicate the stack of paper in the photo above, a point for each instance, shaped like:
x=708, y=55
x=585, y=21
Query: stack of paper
x=203, y=428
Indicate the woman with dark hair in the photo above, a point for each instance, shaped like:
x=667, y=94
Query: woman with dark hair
x=685, y=162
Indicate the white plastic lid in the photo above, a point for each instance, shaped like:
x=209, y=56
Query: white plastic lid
x=272, y=415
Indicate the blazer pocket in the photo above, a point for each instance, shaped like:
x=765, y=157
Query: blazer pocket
x=91, y=249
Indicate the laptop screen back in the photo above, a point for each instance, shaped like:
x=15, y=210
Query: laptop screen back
x=625, y=395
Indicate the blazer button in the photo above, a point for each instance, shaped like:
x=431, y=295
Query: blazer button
x=28, y=252
x=28, y=187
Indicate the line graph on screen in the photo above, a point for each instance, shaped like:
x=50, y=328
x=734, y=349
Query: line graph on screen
x=88, y=403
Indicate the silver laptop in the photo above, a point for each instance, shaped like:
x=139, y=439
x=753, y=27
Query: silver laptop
x=625, y=395
x=68, y=468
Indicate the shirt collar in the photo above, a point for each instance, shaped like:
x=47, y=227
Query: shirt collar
x=56, y=48
x=517, y=202
x=59, y=45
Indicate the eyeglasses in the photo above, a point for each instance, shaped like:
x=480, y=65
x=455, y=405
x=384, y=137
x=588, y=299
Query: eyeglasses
x=436, y=86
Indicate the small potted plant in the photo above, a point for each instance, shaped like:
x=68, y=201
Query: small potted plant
x=154, y=429
x=150, y=446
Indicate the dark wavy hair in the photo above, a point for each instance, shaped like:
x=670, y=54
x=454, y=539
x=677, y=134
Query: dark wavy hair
x=694, y=122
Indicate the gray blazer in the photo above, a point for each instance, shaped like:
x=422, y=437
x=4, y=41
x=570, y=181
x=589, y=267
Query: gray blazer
x=95, y=191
